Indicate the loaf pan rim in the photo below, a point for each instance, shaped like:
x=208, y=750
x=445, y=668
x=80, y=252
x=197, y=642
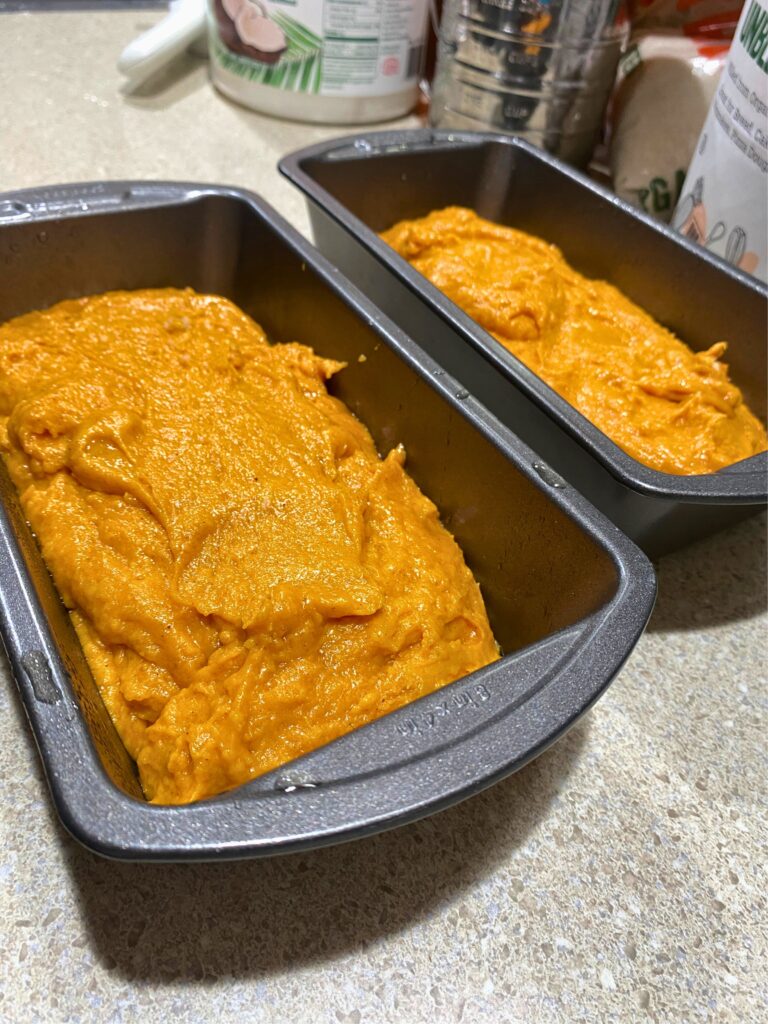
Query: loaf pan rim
x=632, y=600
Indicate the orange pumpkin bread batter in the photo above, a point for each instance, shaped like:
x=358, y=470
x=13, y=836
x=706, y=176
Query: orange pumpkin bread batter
x=670, y=408
x=248, y=578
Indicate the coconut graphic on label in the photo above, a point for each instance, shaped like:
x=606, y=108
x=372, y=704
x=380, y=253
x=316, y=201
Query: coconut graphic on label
x=246, y=28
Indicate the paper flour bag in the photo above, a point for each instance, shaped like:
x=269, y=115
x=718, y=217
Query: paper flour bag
x=724, y=202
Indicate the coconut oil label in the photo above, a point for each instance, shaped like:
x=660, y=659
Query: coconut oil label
x=323, y=47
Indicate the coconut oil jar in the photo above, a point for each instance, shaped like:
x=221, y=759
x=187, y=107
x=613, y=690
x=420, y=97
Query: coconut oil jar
x=327, y=61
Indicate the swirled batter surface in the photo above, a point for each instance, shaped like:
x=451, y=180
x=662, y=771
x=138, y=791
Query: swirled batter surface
x=668, y=407
x=248, y=578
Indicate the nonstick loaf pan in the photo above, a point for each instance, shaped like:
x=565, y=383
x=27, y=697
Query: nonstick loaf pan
x=568, y=595
x=359, y=185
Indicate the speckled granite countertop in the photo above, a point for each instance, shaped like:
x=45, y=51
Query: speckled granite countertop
x=620, y=877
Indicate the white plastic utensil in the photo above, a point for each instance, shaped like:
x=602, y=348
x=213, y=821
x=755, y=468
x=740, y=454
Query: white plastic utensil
x=182, y=26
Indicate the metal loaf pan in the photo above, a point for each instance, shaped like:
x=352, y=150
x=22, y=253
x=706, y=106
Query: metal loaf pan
x=567, y=593
x=360, y=185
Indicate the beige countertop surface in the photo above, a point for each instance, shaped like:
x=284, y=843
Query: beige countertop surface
x=620, y=877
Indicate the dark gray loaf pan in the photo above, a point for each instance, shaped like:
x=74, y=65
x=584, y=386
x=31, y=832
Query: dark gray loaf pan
x=568, y=595
x=360, y=185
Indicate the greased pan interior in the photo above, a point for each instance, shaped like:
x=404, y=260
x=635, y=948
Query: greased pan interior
x=358, y=185
x=568, y=595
